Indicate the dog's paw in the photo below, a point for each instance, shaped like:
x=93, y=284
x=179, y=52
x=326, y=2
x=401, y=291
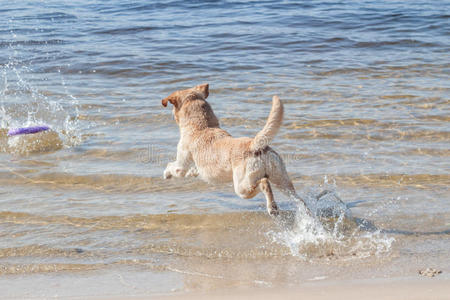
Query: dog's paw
x=273, y=210
x=167, y=174
x=173, y=171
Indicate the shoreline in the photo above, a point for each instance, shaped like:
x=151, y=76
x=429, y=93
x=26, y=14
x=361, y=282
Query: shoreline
x=377, y=288
x=392, y=277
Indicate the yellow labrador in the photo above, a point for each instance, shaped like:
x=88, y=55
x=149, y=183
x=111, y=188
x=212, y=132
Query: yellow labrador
x=210, y=152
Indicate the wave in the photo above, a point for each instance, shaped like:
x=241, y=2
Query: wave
x=396, y=44
x=107, y=183
x=373, y=135
x=119, y=183
x=53, y=16
x=126, y=30
x=15, y=269
x=16, y=43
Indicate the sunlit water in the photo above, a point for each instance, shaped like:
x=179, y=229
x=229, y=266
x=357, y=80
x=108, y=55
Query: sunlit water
x=366, y=93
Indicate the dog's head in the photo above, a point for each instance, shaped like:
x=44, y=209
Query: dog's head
x=183, y=98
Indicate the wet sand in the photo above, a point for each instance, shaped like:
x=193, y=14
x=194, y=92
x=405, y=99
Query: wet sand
x=384, y=289
x=410, y=288
x=388, y=277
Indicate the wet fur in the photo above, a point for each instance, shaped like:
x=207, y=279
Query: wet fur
x=207, y=151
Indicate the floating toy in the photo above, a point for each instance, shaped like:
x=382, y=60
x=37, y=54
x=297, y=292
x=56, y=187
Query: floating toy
x=27, y=130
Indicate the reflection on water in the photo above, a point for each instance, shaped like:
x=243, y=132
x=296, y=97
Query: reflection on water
x=367, y=118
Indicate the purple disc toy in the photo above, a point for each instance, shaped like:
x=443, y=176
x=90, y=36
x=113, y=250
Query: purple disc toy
x=27, y=130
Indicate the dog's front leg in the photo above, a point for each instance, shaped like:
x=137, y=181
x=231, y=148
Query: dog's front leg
x=180, y=167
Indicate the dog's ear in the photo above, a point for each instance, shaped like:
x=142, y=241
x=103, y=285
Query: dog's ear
x=204, y=89
x=171, y=99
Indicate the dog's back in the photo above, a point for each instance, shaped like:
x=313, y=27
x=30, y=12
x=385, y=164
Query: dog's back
x=213, y=149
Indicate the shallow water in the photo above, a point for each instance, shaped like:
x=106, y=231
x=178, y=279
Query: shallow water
x=366, y=93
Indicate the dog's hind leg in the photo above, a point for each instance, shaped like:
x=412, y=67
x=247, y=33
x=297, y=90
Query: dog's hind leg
x=272, y=207
x=284, y=184
x=279, y=177
x=244, y=187
x=246, y=190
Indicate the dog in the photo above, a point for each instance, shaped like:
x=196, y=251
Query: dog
x=207, y=151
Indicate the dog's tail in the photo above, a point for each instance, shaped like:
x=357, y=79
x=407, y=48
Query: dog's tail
x=266, y=135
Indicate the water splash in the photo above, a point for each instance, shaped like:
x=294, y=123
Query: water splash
x=331, y=232
x=23, y=105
